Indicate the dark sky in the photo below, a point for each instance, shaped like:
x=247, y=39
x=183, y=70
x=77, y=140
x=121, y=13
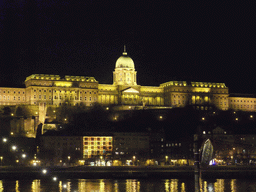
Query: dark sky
x=170, y=40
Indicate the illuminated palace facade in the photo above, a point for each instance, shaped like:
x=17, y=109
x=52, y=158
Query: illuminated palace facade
x=47, y=90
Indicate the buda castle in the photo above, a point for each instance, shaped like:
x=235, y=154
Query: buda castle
x=43, y=90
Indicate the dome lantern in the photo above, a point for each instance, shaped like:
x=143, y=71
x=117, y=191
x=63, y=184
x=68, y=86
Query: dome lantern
x=124, y=61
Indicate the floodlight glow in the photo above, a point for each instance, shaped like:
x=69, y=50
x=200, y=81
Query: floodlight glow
x=14, y=147
x=54, y=178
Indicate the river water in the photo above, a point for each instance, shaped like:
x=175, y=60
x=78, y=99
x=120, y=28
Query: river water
x=127, y=185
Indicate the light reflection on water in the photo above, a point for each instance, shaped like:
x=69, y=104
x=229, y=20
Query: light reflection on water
x=127, y=185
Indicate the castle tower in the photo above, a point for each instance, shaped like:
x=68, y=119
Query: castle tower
x=124, y=73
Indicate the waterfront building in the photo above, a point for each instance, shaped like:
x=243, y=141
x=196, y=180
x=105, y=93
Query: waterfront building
x=229, y=148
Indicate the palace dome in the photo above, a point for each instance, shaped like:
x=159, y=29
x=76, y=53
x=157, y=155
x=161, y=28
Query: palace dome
x=124, y=61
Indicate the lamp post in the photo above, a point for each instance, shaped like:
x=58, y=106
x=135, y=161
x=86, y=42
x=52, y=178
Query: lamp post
x=14, y=148
x=166, y=159
x=69, y=159
x=1, y=157
x=134, y=158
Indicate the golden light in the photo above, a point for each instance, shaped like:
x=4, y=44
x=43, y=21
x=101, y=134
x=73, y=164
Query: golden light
x=11, y=133
x=166, y=157
x=68, y=157
x=236, y=119
x=134, y=157
x=234, y=149
x=54, y=178
x=54, y=111
x=160, y=117
x=17, y=161
x=12, y=114
x=251, y=116
x=107, y=108
x=4, y=140
x=14, y=147
x=44, y=171
x=36, y=113
x=203, y=118
x=213, y=112
x=60, y=161
x=101, y=157
x=65, y=119
x=234, y=112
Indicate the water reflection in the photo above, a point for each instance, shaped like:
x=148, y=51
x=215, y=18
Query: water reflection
x=36, y=185
x=233, y=185
x=17, y=186
x=1, y=186
x=128, y=185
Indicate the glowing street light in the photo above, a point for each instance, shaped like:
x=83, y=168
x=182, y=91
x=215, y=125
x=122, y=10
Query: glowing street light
x=203, y=118
x=4, y=140
x=44, y=171
x=54, y=178
x=166, y=158
x=23, y=155
x=1, y=157
x=14, y=148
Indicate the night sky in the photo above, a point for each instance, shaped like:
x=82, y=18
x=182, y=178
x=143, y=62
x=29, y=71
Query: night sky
x=170, y=40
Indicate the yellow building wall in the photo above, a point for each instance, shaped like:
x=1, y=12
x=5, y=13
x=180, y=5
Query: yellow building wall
x=242, y=103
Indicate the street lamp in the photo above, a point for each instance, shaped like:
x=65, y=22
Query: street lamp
x=69, y=159
x=14, y=148
x=4, y=140
x=1, y=157
x=166, y=159
x=134, y=157
x=23, y=155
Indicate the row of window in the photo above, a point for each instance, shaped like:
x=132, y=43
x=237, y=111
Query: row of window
x=242, y=101
x=14, y=98
x=174, y=102
x=97, y=143
x=98, y=147
x=60, y=97
x=98, y=139
x=63, y=91
x=243, y=106
x=197, y=91
x=173, y=145
x=19, y=92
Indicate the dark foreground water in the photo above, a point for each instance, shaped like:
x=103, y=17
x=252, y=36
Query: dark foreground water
x=127, y=185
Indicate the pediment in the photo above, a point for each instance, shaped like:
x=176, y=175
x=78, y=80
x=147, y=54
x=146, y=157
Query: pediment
x=130, y=90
